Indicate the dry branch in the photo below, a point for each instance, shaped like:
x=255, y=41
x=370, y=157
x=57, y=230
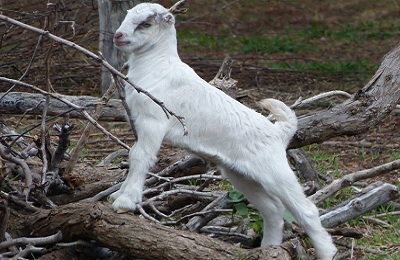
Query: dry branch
x=369, y=200
x=96, y=58
x=304, y=168
x=33, y=241
x=21, y=102
x=349, y=179
x=134, y=235
x=304, y=102
x=196, y=223
x=72, y=105
x=88, y=129
x=6, y=154
x=365, y=109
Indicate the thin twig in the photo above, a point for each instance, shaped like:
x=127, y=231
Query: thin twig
x=27, y=68
x=88, y=129
x=162, y=215
x=165, y=194
x=98, y=59
x=363, y=248
x=176, y=8
x=200, y=213
x=394, y=213
x=34, y=241
x=75, y=243
x=103, y=193
x=28, y=250
x=301, y=103
x=141, y=210
x=27, y=111
x=122, y=96
x=43, y=140
x=190, y=177
x=5, y=154
x=376, y=221
x=72, y=105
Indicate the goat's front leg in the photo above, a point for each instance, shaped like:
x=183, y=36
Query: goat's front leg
x=142, y=156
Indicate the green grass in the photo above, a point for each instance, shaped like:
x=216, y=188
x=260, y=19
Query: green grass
x=264, y=44
x=354, y=32
x=247, y=44
x=375, y=236
x=326, y=162
x=394, y=155
x=304, y=41
x=361, y=66
x=378, y=237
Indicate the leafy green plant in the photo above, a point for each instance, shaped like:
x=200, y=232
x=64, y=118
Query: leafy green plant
x=244, y=211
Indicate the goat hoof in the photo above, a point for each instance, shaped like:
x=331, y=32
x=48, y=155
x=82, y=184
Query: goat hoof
x=125, y=203
x=121, y=211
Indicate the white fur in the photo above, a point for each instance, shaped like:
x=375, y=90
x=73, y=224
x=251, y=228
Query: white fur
x=250, y=150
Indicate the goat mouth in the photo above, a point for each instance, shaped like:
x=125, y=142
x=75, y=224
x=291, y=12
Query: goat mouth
x=121, y=43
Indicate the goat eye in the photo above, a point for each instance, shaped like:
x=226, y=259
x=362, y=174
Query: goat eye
x=145, y=25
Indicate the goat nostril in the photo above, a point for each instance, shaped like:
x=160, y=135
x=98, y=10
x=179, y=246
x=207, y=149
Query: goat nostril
x=118, y=35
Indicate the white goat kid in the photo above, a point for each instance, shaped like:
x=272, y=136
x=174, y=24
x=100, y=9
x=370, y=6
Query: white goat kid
x=250, y=150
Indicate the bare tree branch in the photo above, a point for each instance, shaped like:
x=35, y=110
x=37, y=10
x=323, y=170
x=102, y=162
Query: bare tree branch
x=301, y=103
x=366, y=108
x=31, y=103
x=34, y=241
x=369, y=200
x=176, y=8
x=78, y=108
x=88, y=129
x=99, y=222
x=96, y=58
x=349, y=179
x=5, y=154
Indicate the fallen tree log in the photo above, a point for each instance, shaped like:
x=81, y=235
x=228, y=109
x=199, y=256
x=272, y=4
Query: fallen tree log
x=365, y=109
x=372, y=197
x=133, y=235
x=349, y=179
x=29, y=103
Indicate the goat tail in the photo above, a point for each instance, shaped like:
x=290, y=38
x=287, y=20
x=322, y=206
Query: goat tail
x=285, y=117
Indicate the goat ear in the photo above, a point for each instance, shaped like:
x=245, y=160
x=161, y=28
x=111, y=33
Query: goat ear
x=168, y=18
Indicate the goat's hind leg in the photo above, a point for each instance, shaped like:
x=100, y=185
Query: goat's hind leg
x=269, y=206
x=305, y=212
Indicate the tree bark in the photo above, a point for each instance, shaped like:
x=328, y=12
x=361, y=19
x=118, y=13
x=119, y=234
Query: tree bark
x=365, y=109
x=29, y=103
x=373, y=196
x=111, y=15
x=133, y=235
